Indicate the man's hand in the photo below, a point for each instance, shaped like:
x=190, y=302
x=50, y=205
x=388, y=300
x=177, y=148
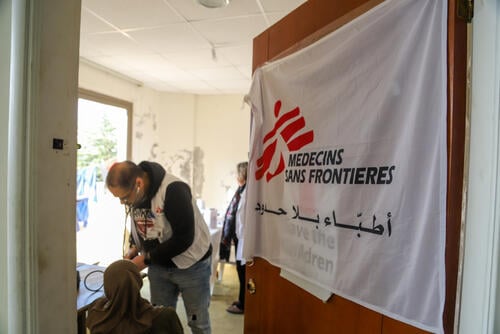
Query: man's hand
x=132, y=253
x=139, y=262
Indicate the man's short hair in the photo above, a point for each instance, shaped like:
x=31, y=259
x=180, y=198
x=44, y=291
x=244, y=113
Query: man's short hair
x=123, y=174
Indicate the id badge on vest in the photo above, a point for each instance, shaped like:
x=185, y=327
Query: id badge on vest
x=147, y=225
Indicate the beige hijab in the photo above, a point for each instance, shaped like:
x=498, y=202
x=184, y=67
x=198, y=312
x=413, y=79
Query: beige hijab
x=122, y=310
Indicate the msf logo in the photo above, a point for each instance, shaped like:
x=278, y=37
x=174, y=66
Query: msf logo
x=289, y=128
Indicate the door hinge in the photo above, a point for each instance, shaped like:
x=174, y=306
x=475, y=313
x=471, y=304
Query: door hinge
x=465, y=9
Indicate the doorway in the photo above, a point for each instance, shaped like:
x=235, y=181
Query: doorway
x=103, y=138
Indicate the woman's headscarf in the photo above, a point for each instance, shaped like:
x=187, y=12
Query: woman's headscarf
x=122, y=310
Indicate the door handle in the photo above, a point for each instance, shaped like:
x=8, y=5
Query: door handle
x=251, y=286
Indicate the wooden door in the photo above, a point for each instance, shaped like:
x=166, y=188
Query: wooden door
x=278, y=306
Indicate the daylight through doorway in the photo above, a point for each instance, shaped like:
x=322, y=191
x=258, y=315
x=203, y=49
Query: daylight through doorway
x=100, y=218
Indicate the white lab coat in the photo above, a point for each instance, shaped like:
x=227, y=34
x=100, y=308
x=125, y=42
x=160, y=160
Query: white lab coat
x=240, y=226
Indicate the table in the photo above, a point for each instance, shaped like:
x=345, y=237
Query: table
x=92, y=277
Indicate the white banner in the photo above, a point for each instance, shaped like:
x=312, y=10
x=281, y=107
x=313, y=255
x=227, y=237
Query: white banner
x=347, y=175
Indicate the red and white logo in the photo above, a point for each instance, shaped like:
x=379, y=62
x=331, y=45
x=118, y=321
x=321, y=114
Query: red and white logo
x=288, y=127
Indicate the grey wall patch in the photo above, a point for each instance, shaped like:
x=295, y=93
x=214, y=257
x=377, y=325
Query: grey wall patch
x=152, y=152
x=180, y=164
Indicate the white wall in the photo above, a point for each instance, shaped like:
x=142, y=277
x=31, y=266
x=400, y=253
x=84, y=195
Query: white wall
x=172, y=128
x=173, y=144
x=480, y=297
x=222, y=133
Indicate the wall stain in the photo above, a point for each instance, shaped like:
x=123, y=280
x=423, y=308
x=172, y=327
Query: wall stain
x=180, y=164
x=152, y=151
x=185, y=164
x=228, y=183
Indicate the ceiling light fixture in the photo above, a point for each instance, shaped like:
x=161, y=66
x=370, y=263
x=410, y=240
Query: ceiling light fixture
x=214, y=3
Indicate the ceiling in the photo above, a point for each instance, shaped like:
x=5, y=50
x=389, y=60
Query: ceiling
x=177, y=45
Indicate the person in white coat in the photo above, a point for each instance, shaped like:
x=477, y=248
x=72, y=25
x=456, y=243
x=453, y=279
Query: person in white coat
x=238, y=307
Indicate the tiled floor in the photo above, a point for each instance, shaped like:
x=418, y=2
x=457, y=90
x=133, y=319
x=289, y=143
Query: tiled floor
x=224, y=293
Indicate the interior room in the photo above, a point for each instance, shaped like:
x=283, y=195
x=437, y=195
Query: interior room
x=178, y=75
x=184, y=70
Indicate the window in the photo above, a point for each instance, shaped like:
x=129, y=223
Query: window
x=103, y=136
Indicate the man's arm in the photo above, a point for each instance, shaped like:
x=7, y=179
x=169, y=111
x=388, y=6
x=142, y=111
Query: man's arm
x=178, y=209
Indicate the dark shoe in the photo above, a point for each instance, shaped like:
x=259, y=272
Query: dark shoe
x=234, y=309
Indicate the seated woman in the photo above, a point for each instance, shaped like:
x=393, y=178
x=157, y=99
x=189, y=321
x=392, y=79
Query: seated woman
x=123, y=310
